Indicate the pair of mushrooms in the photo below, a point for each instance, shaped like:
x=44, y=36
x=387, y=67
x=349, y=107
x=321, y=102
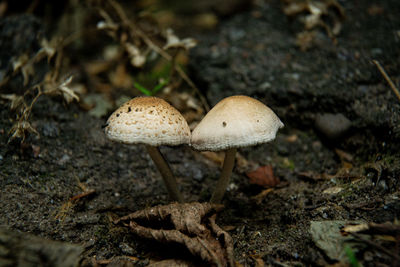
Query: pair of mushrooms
x=236, y=121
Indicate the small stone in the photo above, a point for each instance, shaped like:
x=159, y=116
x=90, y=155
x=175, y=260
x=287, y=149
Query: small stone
x=332, y=126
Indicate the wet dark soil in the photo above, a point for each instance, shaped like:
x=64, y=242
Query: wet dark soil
x=352, y=175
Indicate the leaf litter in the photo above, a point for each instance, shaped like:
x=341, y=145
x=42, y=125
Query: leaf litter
x=189, y=224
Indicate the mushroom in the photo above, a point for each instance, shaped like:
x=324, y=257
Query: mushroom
x=153, y=122
x=236, y=121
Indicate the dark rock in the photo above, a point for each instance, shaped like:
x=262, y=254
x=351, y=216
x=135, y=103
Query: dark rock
x=332, y=126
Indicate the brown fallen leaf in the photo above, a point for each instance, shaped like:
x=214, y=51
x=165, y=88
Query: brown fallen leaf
x=263, y=176
x=190, y=224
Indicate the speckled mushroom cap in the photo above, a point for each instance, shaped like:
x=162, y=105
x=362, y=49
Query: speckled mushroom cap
x=148, y=120
x=236, y=121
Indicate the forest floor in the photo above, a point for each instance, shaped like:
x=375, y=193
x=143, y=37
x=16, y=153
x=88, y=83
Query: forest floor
x=336, y=162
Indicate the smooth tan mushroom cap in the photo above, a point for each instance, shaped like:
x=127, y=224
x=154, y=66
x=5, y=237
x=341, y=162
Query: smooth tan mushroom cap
x=148, y=120
x=236, y=121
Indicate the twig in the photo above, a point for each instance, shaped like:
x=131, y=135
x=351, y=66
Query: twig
x=387, y=78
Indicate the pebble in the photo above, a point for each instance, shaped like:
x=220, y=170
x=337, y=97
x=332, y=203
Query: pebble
x=332, y=126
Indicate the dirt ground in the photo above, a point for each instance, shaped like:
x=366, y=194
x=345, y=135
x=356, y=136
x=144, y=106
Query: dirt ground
x=337, y=157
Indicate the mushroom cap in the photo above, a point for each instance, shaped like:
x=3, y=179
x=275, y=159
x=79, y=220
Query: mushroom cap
x=148, y=120
x=236, y=121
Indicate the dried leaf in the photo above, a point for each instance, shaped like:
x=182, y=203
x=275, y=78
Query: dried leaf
x=314, y=14
x=67, y=93
x=20, y=129
x=47, y=49
x=16, y=100
x=263, y=176
x=174, y=42
x=190, y=224
x=19, y=62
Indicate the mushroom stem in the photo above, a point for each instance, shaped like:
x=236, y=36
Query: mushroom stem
x=222, y=184
x=166, y=173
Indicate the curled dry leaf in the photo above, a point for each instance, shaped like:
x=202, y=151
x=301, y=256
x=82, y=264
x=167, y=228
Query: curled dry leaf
x=173, y=41
x=327, y=14
x=67, y=93
x=190, y=224
x=51, y=88
x=47, y=49
x=19, y=130
x=25, y=65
